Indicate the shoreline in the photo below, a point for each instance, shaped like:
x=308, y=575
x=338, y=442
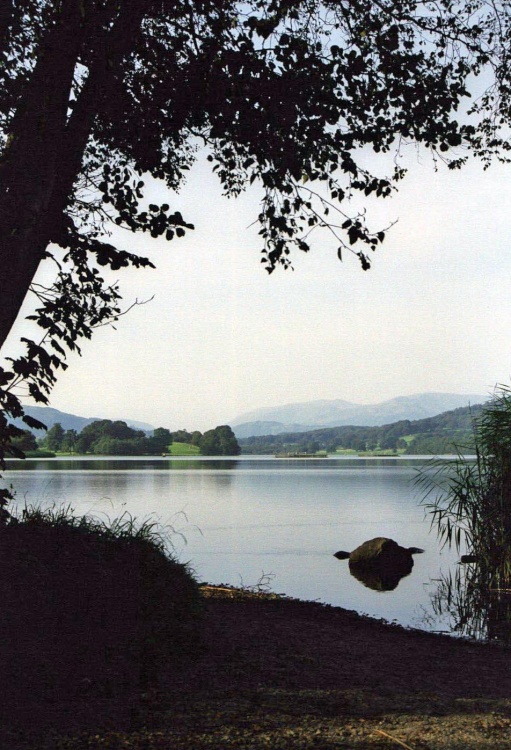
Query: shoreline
x=276, y=672
x=227, y=591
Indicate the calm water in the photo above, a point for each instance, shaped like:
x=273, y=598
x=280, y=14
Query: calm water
x=237, y=519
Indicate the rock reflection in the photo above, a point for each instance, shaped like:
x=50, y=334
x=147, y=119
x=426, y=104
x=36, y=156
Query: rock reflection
x=380, y=577
x=380, y=563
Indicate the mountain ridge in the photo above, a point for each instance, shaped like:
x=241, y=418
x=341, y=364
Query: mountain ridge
x=310, y=415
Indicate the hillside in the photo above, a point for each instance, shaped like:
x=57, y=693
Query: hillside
x=49, y=417
x=307, y=416
x=248, y=429
x=442, y=433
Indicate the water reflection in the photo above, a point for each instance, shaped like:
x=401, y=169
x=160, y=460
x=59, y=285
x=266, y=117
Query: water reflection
x=100, y=463
x=473, y=602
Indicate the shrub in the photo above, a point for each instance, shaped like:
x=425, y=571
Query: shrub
x=90, y=605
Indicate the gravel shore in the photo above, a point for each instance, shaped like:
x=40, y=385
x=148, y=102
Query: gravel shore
x=280, y=673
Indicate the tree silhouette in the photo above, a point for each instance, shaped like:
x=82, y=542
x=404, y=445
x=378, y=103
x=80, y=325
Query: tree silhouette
x=97, y=94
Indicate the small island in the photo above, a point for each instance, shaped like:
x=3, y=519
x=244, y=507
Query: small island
x=105, y=437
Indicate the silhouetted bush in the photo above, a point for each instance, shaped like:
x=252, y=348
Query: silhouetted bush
x=89, y=606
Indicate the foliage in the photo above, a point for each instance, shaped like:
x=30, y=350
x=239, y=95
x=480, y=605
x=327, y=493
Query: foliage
x=183, y=436
x=109, y=438
x=54, y=438
x=58, y=439
x=219, y=442
x=25, y=441
x=92, y=602
x=108, y=446
x=39, y=453
x=160, y=441
x=95, y=97
x=69, y=441
x=115, y=438
x=441, y=442
x=93, y=433
x=196, y=437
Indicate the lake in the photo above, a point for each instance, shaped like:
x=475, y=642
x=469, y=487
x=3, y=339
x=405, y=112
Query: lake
x=240, y=520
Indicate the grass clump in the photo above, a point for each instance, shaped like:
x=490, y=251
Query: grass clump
x=90, y=606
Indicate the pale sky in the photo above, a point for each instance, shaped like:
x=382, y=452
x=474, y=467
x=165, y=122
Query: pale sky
x=222, y=337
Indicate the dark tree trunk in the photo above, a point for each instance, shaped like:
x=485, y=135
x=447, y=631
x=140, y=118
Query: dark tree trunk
x=6, y=17
x=30, y=165
x=45, y=151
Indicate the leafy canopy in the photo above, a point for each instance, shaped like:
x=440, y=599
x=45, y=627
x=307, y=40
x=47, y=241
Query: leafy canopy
x=95, y=95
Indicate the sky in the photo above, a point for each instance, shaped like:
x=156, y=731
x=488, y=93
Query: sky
x=222, y=337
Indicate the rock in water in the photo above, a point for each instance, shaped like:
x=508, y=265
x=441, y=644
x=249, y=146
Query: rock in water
x=380, y=563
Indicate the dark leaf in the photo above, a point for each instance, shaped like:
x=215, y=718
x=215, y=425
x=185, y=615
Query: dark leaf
x=35, y=424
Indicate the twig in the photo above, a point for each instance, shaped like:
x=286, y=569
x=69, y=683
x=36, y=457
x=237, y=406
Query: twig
x=399, y=742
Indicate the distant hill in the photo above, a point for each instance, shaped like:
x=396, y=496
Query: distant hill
x=247, y=429
x=310, y=415
x=49, y=417
x=443, y=433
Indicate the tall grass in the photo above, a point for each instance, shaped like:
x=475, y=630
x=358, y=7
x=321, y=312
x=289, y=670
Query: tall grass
x=469, y=500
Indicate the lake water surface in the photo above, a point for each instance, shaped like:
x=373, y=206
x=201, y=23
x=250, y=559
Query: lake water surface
x=239, y=519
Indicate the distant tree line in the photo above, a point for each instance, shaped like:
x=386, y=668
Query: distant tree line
x=440, y=434
x=115, y=438
x=443, y=433
x=24, y=441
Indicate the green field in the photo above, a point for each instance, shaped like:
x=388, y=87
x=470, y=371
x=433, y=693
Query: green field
x=183, y=449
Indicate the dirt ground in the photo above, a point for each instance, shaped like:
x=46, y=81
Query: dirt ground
x=279, y=673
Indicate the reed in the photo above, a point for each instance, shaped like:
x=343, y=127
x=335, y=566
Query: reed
x=469, y=499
